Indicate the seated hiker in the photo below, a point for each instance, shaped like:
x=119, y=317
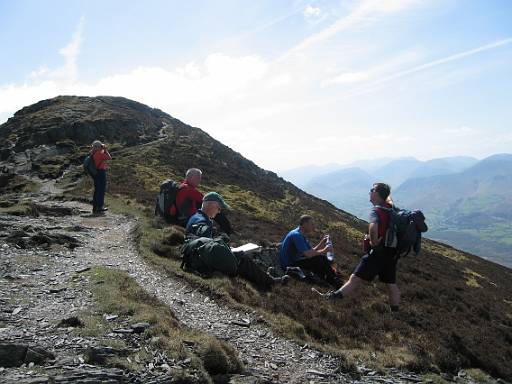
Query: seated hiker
x=381, y=260
x=297, y=252
x=100, y=156
x=189, y=200
x=200, y=224
x=204, y=254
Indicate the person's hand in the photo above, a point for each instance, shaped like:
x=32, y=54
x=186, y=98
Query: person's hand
x=327, y=249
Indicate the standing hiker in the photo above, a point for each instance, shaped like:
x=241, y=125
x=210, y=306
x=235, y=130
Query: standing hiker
x=100, y=156
x=297, y=252
x=381, y=260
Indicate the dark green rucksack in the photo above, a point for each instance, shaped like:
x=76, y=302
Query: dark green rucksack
x=204, y=256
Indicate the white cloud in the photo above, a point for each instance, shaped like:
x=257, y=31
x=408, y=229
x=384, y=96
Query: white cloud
x=348, y=77
x=312, y=12
x=447, y=59
x=217, y=78
x=461, y=131
x=366, y=11
x=69, y=71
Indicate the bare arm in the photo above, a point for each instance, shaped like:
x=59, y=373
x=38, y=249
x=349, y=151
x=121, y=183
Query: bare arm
x=319, y=249
x=374, y=234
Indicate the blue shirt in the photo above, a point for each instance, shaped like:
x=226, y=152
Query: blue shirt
x=200, y=225
x=293, y=246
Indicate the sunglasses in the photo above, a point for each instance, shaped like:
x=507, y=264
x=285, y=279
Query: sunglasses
x=372, y=190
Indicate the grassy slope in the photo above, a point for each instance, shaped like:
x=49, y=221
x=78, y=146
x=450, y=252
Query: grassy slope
x=115, y=292
x=456, y=309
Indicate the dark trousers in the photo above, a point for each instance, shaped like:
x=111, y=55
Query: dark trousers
x=321, y=267
x=100, y=185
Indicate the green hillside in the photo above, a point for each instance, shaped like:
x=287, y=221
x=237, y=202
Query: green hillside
x=470, y=209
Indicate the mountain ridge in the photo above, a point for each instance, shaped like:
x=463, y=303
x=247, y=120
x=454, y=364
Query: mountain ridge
x=452, y=299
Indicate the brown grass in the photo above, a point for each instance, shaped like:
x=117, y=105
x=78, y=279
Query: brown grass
x=115, y=292
x=444, y=324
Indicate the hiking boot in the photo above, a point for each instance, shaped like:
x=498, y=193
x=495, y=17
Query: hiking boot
x=329, y=295
x=295, y=272
x=277, y=280
x=333, y=295
x=285, y=279
x=103, y=209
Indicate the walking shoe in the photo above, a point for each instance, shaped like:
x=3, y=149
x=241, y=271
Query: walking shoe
x=277, y=280
x=329, y=295
x=295, y=272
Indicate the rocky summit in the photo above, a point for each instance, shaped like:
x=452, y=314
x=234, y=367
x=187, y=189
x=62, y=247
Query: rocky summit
x=103, y=299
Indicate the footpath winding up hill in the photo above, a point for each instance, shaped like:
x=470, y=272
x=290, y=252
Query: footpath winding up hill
x=456, y=311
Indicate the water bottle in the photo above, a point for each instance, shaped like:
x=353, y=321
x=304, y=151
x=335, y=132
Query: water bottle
x=330, y=254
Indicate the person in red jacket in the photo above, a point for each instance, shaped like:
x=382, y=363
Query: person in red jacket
x=100, y=156
x=189, y=200
x=381, y=261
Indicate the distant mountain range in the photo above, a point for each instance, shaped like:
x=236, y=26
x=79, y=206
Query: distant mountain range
x=467, y=201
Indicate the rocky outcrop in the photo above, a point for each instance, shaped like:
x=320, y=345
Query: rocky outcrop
x=47, y=137
x=14, y=355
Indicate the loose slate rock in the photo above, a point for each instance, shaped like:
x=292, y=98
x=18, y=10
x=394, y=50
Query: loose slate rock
x=98, y=355
x=38, y=355
x=140, y=327
x=12, y=355
x=72, y=321
x=57, y=290
x=241, y=323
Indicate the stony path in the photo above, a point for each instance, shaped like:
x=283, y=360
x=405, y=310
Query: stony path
x=263, y=352
x=33, y=300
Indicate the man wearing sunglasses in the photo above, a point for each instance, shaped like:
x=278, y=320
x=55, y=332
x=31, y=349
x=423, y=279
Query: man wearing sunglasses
x=381, y=260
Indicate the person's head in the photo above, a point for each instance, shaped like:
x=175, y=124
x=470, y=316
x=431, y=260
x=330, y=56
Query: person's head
x=97, y=145
x=306, y=224
x=193, y=176
x=213, y=203
x=380, y=194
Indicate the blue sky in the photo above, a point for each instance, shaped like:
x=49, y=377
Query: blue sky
x=286, y=83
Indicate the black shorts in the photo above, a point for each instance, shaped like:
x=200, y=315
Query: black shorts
x=379, y=262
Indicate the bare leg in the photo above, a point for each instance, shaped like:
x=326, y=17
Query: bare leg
x=394, y=295
x=350, y=286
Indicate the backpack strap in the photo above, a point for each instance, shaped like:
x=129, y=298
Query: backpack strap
x=381, y=212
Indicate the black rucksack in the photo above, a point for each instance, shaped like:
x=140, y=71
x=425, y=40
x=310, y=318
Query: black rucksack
x=404, y=231
x=90, y=166
x=166, y=199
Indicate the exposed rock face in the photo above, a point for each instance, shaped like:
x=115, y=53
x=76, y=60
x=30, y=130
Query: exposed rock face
x=14, y=355
x=46, y=137
x=74, y=120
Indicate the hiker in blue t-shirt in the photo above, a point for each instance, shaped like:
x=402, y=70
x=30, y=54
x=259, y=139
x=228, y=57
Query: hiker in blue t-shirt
x=297, y=252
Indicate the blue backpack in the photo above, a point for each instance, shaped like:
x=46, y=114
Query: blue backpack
x=90, y=166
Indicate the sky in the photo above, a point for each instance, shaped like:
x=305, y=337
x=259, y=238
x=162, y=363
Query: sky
x=285, y=83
